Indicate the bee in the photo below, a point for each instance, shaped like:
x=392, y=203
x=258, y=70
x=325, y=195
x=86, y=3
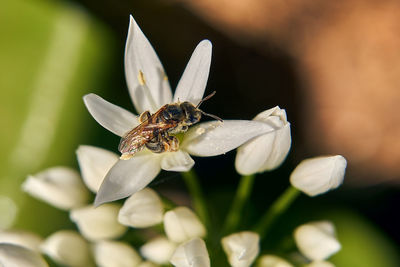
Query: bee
x=155, y=131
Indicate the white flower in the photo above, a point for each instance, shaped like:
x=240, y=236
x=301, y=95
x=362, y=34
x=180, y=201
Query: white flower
x=59, y=186
x=181, y=224
x=98, y=223
x=320, y=264
x=67, y=247
x=317, y=240
x=158, y=250
x=12, y=255
x=318, y=175
x=149, y=89
x=192, y=253
x=115, y=254
x=267, y=151
x=94, y=163
x=21, y=238
x=272, y=261
x=143, y=209
x=241, y=248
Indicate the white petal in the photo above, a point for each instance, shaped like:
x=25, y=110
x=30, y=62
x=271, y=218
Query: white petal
x=127, y=177
x=215, y=138
x=12, y=255
x=112, y=117
x=94, y=163
x=316, y=240
x=194, y=79
x=272, y=261
x=143, y=209
x=318, y=175
x=59, y=186
x=68, y=248
x=192, y=253
x=178, y=161
x=152, y=90
x=241, y=248
x=268, y=151
x=115, y=254
x=181, y=224
x=320, y=264
x=21, y=238
x=158, y=250
x=98, y=223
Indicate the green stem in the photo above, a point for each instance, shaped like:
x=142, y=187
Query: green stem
x=280, y=205
x=199, y=203
x=241, y=197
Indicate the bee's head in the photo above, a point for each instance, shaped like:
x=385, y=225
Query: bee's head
x=192, y=114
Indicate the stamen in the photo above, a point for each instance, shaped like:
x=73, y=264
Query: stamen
x=146, y=90
x=141, y=79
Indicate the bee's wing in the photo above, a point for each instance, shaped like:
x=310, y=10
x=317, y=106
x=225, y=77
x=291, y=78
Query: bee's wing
x=135, y=139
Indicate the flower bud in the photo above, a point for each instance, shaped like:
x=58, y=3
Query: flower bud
x=68, y=248
x=59, y=186
x=158, y=250
x=142, y=209
x=318, y=175
x=241, y=248
x=316, y=240
x=191, y=253
x=15, y=255
x=267, y=151
x=320, y=264
x=94, y=163
x=21, y=238
x=98, y=223
x=272, y=261
x=181, y=224
x=115, y=254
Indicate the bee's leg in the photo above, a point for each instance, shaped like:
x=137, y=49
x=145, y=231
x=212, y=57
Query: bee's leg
x=144, y=116
x=155, y=145
x=178, y=129
x=171, y=143
x=163, y=143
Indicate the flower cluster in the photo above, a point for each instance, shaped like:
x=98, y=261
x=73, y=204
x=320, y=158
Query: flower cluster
x=183, y=240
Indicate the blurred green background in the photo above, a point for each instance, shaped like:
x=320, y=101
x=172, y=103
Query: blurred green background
x=54, y=52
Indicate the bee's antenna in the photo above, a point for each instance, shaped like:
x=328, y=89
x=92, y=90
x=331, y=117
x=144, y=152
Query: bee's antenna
x=211, y=115
x=206, y=98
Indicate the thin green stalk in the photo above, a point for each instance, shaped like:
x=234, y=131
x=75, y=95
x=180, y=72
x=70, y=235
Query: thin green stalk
x=242, y=195
x=199, y=203
x=280, y=205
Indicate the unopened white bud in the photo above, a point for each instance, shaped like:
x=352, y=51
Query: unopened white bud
x=98, y=223
x=67, y=247
x=267, y=151
x=181, y=224
x=272, y=261
x=142, y=209
x=317, y=240
x=241, y=248
x=191, y=253
x=115, y=254
x=318, y=175
x=59, y=186
x=158, y=250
